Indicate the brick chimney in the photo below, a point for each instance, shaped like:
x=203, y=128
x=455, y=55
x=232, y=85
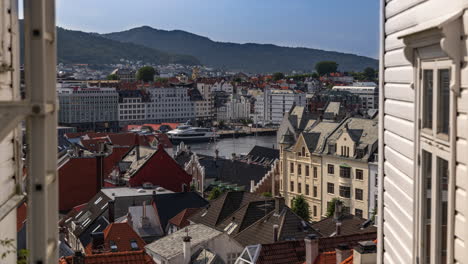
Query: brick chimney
x=311, y=248
x=342, y=253
x=279, y=204
x=365, y=253
x=275, y=233
x=187, y=248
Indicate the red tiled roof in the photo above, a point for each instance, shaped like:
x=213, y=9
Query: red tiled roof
x=349, y=260
x=21, y=214
x=180, y=220
x=129, y=257
x=326, y=258
x=121, y=234
x=285, y=252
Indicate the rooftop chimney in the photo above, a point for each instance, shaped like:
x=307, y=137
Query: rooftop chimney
x=279, y=204
x=338, y=210
x=252, y=185
x=311, y=248
x=145, y=222
x=365, y=253
x=338, y=229
x=111, y=210
x=130, y=220
x=275, y=233
x=342, y=253
x=187, y=248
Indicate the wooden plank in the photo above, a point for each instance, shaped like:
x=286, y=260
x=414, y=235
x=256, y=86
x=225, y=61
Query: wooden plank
x=405, y=182
x=460, y=226
x=462, y=126
x=461, y=180
x=399, y=126
x=462, y=150
x=402, y=202
x=400, y=109
x=399, y=6
x=403, y=74
x=392, y=42
x=400, y=219
x=460, y=201
x=399, y=161
x=464, y=71
x=396, y=58
x=460, y=251
x=402, y=251
x=397, y=91
x=402, y=145
x=462, y=101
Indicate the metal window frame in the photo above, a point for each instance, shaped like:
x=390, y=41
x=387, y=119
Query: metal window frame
x=39, y=110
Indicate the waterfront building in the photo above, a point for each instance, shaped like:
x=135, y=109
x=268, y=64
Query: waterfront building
x=238, y=107
x=345, y=165
x=277, y=102
x=88, y=108
x=423, y=140
x=132, y=107
x=204, y=103
x=125, y=75
x=169, y=104
x=367, y=91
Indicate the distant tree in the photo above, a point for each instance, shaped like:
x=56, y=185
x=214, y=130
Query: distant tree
x=267, y=194
x=112, y=77
x=278, y=76
x=146, y=74
x=326, y=67
x=331, y=207
x=238, y=80
x=161, y=80
x=370, y=74
x=315, y=75
x=221, y=124
x=301, y=207
x=215, y=193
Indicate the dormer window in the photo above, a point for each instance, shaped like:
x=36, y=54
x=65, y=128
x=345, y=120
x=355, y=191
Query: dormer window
x=303, y=151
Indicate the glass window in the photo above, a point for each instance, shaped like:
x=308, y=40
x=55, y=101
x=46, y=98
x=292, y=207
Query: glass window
x=427, y=98
x=345, y=191
x=345, y=172
x=291, y=187
x=307, y=170
x=315, y=172
x=443, y=102
x=331, y=169
x=359, y=194
x=443, y=178
x=315, y=191
x=330, y=188
x=315, y=210
x=299, y=169
x=299, y=187
x=291, y=168
x=359, y=175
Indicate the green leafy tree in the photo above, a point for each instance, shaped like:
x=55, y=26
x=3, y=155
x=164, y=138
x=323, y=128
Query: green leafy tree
x=278, y=76
x=267, y=194
x=146, y=74
x=370, y=74
x=215, y=193
x=112, y=77
x=331, y=207
x=301, y=207
x=326, y=67
x=161, y=80
x=221, y=124
x=315, y=75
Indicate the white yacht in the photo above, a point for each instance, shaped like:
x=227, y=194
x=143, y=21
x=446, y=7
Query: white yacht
x=188, y=133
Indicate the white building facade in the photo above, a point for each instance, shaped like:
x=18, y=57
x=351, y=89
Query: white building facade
x=423, y=136
x=276, y=103
x=169, y=104
x=368, y=92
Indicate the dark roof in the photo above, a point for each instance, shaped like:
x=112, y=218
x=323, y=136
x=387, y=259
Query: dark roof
x=284, y=252
x=350, y=225
x=170, y=204
x=311, y=140
x=223, y=207
x=262, y=154
x=291, y=227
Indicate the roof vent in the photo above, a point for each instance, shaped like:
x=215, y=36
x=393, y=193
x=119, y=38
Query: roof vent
x=141, y=191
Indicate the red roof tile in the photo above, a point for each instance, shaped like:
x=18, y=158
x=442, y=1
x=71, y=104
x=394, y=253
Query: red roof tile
x=121, y=234
x=349, y=260
x=326, y=258
x=290, y=252
x=180, y=220
x=129, y=257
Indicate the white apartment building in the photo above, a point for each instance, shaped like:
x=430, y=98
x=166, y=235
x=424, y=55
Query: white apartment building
x=169, y=104
x=224, y=86
x=276, y=103
x=88, y=108
x=132, y=107
x=238, y=107
x=423, y=136
x=204, y=107
x=367, y=91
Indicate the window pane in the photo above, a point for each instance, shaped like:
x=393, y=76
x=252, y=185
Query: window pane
x=443, y=177
x=427, y=185
x=443, y=107
x=427, y=98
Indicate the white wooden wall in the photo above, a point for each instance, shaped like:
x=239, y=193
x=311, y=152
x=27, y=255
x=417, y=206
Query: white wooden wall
x=399, y=128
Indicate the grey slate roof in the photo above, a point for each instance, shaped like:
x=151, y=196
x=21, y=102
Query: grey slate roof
x=350, y=225
x=322, y=130
x=172, y=245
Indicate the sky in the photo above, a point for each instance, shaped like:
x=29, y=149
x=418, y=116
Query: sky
x=340, y=25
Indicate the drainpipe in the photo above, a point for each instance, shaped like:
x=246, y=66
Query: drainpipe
x=381, y=132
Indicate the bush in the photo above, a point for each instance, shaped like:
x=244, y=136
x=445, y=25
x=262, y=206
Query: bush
x=301, y=207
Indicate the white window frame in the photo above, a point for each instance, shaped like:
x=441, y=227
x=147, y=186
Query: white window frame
x=438, y=145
